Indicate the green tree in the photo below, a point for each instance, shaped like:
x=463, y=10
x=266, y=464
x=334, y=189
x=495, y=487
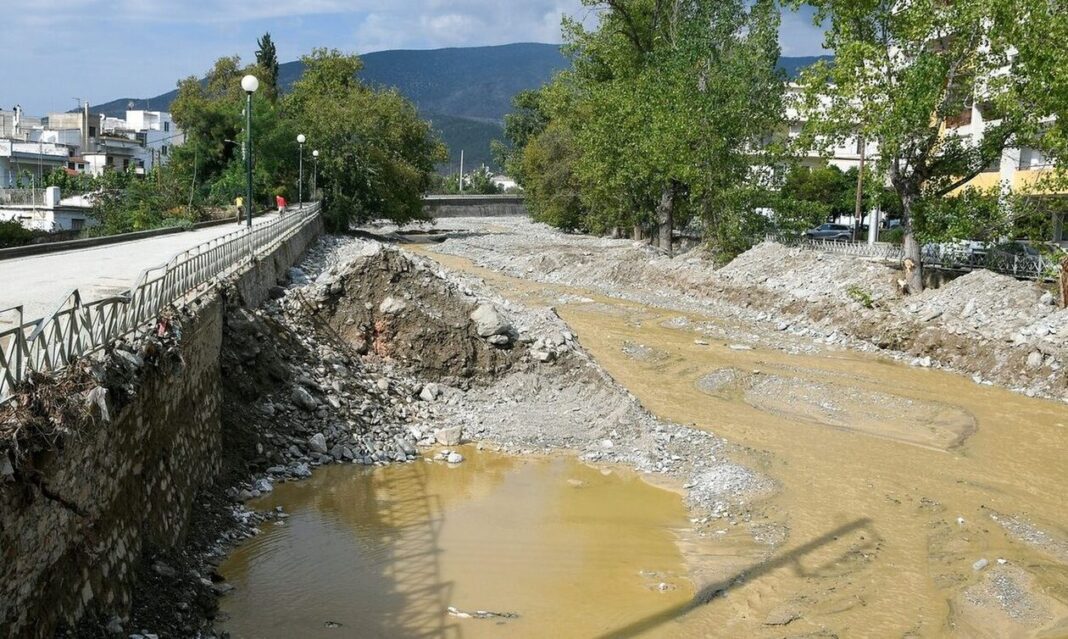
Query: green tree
x=527, y=119
x=903, y=70
x=668, y=103
x=551, y=186
x=377, y=156
x=267, y=61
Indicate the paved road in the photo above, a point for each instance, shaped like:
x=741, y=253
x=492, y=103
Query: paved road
x=41, y=282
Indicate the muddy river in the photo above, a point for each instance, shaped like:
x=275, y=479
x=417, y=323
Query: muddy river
x=908, y=503
x=385, y=552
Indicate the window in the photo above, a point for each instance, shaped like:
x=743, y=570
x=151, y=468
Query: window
x=166, y=127
x=1032, y=159
x=77, y=224
x=92, y=131
x=163, y=150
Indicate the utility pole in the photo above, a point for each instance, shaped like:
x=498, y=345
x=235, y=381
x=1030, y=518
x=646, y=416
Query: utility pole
x=860, y=189
x=461, y=171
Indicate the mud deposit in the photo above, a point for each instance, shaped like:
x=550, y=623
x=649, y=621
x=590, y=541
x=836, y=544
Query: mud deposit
x=910, y=502
x=549, y=546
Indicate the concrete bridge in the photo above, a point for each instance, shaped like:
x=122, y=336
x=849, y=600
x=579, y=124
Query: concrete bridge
x=474, y=205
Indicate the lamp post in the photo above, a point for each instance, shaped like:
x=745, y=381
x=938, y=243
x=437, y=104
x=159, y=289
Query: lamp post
x=249, y=83
x=300, y=181
x=315, y=172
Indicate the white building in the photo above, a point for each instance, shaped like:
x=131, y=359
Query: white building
x=158, y=135
x=29, y=162
x=46, y=210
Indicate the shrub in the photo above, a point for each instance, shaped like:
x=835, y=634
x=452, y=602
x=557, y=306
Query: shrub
x=14, y=234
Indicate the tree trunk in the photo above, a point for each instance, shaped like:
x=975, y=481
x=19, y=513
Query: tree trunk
x=1064, y=283
x=665, y=216
x=913, y=263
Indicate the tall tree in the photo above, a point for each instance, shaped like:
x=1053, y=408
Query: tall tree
x=903, y=72
x=267, y=61
x=667, y=102
x=376, y=156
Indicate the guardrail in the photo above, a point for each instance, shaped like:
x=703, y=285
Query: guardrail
x=946, y=256
x=78, y=328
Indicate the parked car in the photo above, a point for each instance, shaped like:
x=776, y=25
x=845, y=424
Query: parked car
x=833, y=232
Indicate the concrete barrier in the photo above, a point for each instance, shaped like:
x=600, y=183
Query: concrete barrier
x=443, y=206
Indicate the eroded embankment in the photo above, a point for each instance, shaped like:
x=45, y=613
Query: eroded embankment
x=989, y=326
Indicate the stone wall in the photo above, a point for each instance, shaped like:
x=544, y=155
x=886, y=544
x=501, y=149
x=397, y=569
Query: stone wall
x=444, y=206
x=74, y=522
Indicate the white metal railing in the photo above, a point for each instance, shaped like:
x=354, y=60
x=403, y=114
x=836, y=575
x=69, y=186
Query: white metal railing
x=947, y=256
x=78, y=328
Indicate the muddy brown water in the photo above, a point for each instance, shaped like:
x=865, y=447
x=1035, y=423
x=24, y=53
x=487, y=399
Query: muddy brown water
x=385, y=552
x=891, y=482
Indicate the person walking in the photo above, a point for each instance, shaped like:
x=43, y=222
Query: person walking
x=239, y=204
x=280, y=202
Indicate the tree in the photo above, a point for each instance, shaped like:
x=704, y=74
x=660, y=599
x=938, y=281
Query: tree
x=376, y=156
x=551, y=187
x=527, y=120
x=903, y=71
x=667, y=102
x=267, y=61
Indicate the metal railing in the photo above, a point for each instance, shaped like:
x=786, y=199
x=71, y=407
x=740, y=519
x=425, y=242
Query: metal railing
x=78, y=328
x=22, y=197
x=957, y=257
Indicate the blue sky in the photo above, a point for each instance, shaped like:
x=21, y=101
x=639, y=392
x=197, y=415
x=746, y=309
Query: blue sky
x=57, y=50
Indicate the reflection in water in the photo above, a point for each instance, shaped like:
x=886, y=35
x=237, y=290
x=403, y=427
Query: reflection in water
x=384, y=552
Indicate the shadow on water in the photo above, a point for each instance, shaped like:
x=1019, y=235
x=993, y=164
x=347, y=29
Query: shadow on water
x=712, y=591
x=413, y=519
x=369, y=562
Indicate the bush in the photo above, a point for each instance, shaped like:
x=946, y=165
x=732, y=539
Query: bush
x=14, y=234
x=893, y=236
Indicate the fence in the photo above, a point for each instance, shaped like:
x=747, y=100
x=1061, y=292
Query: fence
x=956, y=257
x=22, y=197
x=78, y=328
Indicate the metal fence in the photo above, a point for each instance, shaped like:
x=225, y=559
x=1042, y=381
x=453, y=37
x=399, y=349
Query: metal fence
x=78, y=328
x=947, y=256
x=22, y=197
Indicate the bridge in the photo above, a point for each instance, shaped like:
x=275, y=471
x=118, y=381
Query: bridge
x=474, y=205
x=58, y=307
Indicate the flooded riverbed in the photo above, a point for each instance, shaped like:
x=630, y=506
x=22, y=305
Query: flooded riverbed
x=911, y=502
x=571, y=551
x=907, y=503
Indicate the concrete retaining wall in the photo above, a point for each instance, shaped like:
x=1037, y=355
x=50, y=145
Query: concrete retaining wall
x=444, y=206
x=74, y=523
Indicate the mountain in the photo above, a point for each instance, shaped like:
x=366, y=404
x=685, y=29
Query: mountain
x=464, y=92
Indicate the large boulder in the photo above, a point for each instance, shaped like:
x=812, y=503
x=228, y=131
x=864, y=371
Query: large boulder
x=489, y=321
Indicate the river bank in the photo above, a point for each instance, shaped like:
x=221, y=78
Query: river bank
x=990, y=327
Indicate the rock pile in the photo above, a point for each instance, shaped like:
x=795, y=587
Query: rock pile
x=991, y=327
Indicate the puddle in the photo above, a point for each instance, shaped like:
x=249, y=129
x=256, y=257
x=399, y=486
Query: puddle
x=572, y=551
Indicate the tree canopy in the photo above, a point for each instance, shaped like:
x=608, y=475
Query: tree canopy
x=659, y=122
x=905, y=72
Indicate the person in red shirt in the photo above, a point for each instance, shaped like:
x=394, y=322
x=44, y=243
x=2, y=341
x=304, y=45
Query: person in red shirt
x=280, y=202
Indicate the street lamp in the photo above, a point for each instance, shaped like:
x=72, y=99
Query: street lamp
x=249, y=83
x=300, y=184
x=315, y=173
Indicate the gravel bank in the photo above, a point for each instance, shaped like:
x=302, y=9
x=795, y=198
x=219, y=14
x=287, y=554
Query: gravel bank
x=994, y=328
